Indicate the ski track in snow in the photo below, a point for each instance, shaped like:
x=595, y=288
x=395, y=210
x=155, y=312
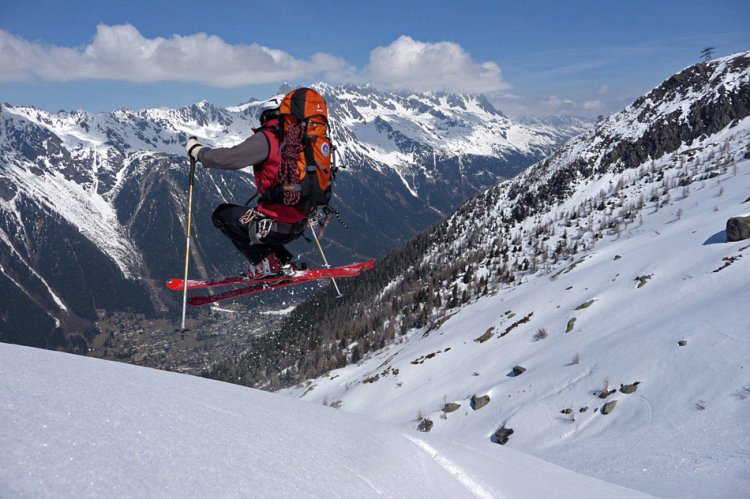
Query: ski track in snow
x=472, y=486
x=364, y=479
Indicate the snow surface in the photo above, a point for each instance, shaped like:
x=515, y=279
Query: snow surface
x=80, y=427
x=685, y=432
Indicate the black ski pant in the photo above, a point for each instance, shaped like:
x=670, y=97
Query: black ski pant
x=255, y=234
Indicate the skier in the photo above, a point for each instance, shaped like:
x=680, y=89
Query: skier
x=259, y=233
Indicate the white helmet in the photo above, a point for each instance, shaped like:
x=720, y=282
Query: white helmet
x=270, y=108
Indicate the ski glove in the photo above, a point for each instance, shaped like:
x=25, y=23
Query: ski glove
x=193, y=147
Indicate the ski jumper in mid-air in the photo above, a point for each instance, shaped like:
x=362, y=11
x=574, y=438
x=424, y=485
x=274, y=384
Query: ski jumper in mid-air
x=260, y=233
x=293, y=162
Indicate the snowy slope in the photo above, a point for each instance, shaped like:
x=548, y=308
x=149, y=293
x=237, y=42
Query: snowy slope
x=685, y=432
x=136, y=432
x=596, y=271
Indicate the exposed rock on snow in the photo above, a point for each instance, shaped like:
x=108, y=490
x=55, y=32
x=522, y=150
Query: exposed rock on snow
x=738, y=228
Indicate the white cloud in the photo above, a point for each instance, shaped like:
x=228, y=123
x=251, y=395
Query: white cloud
x=122, y=53
x=593, y=105
x=408, y=64
x=550, y=106
x=555, y=103
x=603, y=90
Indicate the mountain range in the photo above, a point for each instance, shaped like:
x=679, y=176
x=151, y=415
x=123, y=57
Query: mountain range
x=93, y=206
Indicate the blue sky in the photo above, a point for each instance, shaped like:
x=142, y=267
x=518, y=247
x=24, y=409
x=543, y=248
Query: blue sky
x=529, y=57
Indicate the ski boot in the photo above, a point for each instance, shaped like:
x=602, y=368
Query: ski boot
x=290, y=268
x=270, y=266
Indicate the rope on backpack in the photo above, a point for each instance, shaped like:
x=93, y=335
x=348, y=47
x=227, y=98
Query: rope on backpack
x=288, y=174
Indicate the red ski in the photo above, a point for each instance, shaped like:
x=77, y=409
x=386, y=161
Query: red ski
x=353, y=269
x=265, y=284
x=197, y=301
x=175, y=283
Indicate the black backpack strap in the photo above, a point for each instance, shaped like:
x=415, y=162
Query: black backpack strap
x=247, y=203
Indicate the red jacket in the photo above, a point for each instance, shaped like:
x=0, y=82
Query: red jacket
x=265, y=157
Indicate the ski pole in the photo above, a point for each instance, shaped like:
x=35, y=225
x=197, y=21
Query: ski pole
x=187, y=246
x=325, y=260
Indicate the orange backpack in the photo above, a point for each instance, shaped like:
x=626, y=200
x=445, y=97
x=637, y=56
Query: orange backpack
x=307, y=169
